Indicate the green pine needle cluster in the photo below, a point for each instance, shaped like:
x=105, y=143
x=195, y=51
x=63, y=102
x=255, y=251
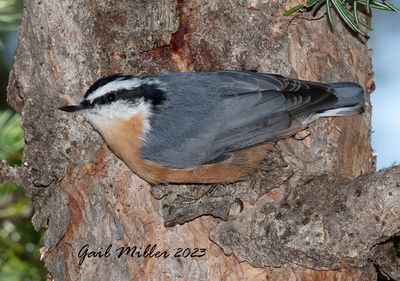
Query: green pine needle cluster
x=348, y=10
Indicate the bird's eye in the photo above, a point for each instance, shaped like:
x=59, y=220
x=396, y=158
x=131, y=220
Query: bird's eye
x=111, y=97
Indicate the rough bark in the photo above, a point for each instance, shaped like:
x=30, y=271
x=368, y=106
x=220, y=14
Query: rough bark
x=386, y=259
x=303, y=216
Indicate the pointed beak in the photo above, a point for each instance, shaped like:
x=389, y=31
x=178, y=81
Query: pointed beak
x=75, y=108
x=72, y=108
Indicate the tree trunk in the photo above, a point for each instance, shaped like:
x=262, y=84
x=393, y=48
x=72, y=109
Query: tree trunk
x=303, y=216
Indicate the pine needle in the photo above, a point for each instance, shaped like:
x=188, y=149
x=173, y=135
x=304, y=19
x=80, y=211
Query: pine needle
x=348, y=10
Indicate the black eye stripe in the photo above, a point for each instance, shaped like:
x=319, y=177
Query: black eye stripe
x=149, y=92
x=106, y=99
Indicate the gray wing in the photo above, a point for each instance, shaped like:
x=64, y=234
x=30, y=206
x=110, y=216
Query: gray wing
x=210, y=115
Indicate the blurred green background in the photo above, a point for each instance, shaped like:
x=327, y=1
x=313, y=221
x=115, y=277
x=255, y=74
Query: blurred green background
x=19, y=243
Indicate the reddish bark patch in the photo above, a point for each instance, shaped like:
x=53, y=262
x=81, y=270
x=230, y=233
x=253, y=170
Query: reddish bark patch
x=205, y=53
x=181, y=52
x=179, y=48
x=178, y=40
x=160, y=53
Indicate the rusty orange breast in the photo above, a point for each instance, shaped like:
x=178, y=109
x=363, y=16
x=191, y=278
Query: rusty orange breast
x=124, y=137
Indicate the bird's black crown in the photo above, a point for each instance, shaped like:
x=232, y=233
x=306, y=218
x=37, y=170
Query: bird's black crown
x=149, y=90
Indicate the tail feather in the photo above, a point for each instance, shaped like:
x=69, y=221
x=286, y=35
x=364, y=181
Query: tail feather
x=351, y=100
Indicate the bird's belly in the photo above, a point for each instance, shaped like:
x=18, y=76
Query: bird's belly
x=241, y=164
x=124, y=139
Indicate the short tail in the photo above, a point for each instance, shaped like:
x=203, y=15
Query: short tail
x=351, y=100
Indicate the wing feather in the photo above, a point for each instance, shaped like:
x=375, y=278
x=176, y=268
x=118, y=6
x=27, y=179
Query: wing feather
x=231, y=110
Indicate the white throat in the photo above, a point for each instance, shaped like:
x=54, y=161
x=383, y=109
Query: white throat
x=103, y=116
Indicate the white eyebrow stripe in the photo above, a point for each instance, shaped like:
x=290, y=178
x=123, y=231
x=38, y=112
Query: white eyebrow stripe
x=114, y=86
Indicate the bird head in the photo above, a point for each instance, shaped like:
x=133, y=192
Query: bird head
x=118, y=98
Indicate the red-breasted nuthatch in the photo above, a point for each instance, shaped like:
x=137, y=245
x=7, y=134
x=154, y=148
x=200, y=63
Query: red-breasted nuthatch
x=206, y=127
